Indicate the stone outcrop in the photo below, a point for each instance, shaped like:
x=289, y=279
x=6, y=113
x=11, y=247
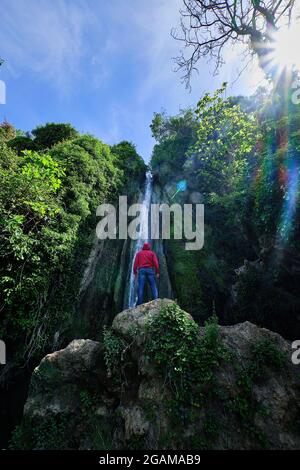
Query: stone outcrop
x=80, y=399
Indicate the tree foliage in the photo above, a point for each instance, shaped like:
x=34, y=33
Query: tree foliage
x=242, y=161
x=48, y=207
x=7, y=131
x=174, y=135
x=51, y=133
x=130, y=162
x=224, y=149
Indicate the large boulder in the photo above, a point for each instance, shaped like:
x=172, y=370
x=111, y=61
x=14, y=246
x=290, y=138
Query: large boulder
x=115, y=393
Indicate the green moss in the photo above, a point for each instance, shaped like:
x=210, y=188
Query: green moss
x=188, y=362
x=264, y=354
x=198, y=277
x=87, y=400
x=53, y=433
x=136, y=443
x=21, y=438
x=101, y=435
x=48, y=372
x=184, y=357
x=98, y=428
x=150, y=410
x=114, y=346
x=184, y=267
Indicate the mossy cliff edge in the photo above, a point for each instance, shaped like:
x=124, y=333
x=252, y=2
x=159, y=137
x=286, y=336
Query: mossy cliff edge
x=159, y=381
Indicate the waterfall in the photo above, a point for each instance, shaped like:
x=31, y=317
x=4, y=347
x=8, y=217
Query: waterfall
x=143, y=236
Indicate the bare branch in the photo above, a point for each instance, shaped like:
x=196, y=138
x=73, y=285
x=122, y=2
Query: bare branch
x=208, y=25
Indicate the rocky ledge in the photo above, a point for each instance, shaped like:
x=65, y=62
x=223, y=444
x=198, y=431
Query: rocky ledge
x=158, y=381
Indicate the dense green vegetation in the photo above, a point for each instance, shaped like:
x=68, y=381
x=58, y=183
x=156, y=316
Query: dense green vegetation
x=240, y=157
x=57, y=433
x=189, y=363
x=51, y=184
x=186, y=358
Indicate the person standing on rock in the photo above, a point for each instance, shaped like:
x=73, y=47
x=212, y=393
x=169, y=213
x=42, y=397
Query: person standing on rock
x=144, y=268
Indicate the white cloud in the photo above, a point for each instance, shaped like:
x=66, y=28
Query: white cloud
x=152, y=23
x=45, y=38
x=142, y=29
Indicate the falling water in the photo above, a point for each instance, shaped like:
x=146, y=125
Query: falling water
x=143, y=236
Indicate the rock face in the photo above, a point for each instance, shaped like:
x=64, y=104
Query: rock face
x=164, y=284
x=114, y=395
x=103, y=284
x=268, y=288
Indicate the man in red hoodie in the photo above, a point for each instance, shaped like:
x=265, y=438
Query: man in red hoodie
x=145, y=266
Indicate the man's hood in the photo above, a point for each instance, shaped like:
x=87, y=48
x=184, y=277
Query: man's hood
x=146, y=246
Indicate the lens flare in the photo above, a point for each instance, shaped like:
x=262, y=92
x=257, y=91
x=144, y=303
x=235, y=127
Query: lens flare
x=279, y=56
x=290, y=203
x=285, y=47
x=180, y=186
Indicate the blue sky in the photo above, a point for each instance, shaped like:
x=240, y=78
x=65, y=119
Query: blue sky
x=105, y=66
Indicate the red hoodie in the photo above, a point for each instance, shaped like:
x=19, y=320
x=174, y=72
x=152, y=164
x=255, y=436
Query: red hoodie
x=146, y=258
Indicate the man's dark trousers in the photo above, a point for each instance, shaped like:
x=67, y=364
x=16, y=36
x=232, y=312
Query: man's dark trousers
x=146, y=274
